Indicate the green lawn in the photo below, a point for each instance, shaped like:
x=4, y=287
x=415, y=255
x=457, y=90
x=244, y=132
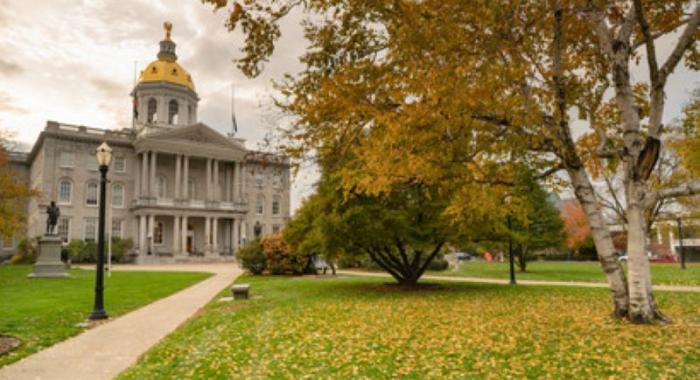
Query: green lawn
x=668, y=274
x=354, y=327
x=42, y=312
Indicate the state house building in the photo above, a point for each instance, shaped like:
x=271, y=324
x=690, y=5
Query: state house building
x=178, y=188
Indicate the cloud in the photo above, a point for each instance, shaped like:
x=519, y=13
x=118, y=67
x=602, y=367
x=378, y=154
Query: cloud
x=8, y=67
x=7, y=104
x=109, y=88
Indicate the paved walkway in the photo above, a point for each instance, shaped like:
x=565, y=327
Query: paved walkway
x=580, y=284
x=108, y=349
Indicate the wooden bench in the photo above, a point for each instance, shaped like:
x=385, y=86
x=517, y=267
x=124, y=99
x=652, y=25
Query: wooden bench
x=240, y=291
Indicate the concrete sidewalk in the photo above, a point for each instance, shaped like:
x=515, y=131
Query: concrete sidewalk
x=108, y=349
x=580, y=284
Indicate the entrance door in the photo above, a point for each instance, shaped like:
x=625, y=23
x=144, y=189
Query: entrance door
x=190, y=239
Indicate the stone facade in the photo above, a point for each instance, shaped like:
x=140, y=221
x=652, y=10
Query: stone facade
x=178, y=188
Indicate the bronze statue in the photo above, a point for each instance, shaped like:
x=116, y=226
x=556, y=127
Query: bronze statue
x=257, y=229
x=51, y=222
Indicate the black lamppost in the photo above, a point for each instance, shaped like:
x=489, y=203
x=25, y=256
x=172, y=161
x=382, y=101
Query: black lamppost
x=104, y=158
x=510, y=252
x=680, y=242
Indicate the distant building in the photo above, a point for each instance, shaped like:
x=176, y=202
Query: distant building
x=178, y=188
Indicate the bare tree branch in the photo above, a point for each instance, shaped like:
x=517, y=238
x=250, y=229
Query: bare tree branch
x=685, y=189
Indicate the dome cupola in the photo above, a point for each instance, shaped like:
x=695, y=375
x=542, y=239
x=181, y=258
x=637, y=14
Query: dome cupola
x=165, y=94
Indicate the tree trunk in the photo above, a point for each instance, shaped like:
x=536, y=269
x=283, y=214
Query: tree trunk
x=643, y=308
x=522, y=263
x=603, y=241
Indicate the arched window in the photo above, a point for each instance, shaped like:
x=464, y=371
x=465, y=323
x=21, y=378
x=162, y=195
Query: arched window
x=191, y=189
x=259, y=204
x=160, y=187
x=91, y=194
x=275, y=206
x=190, y=116
x=65, y=192
x=118, y=195
x=152, y=110
x=172, y=112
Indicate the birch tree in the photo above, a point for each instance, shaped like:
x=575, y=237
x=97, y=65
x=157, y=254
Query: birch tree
x=461, y=95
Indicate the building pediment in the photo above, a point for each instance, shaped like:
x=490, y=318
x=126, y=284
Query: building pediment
x=194, y=139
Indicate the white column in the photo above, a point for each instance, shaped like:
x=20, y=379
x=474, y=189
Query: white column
x=217, y=188
x=151, y=231
x=244, y=232
x=243, y=176
x=671, y=236
x=207, y=236
x=227, y=180
x=186, y=179
x=154, y=156
x=208, y=179
x=183, y=236
x=177, y=177
x=144, y=174
x=215, y=237
x=234, y=232
x=137, y=179
x=236, y=181
x=142, y=235
x=176, y=234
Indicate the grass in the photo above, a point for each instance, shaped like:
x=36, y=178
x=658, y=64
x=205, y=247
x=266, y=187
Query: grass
x=667, y=274
x=355, y=327
x=42, y=312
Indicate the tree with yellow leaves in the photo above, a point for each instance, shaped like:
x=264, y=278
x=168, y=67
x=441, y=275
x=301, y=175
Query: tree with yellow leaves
x=14, y=195
x=456, y=94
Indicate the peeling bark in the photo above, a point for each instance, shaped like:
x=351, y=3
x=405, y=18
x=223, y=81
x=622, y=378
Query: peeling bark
x=603, y=241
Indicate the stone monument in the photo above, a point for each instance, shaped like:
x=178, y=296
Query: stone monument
x=49, y=264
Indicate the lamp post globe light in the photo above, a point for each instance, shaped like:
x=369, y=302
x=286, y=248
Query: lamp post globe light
x=104, y=158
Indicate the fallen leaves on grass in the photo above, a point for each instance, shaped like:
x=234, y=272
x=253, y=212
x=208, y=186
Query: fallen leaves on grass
x=359, y=328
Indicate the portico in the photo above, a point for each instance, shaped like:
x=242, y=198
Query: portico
x=187, y=203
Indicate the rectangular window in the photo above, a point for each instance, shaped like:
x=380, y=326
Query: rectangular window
x=65, y=190
x=91, y=162
x=66, y=160
x=118, y=195
x=8, y=242
x=259, y=205
x=120, y=164
x=275, y=228
x=116, y=229
x=275, y=207
x=91, y=194
x=63, y=228
x=90, y=229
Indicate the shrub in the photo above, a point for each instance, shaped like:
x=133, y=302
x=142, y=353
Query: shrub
x=82, y=251
x=120, y=248
x=439, y=263
x=252, y=257
x=27, y=251
x=280, y=259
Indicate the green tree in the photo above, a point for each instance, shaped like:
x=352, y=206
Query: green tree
x=450, y=93
x=541, y=228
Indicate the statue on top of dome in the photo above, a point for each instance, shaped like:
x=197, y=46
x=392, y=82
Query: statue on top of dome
x=168, y=26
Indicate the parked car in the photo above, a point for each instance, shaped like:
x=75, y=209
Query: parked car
x=465, y=256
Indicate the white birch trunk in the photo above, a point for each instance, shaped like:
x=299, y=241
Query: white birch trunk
x=603, y=241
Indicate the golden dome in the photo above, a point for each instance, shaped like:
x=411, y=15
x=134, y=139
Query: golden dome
x=166, y=71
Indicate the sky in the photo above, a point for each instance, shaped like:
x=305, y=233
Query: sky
x=74, y=61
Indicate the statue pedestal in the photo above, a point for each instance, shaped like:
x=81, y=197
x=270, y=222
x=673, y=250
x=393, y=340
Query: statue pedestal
x=49, y=264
